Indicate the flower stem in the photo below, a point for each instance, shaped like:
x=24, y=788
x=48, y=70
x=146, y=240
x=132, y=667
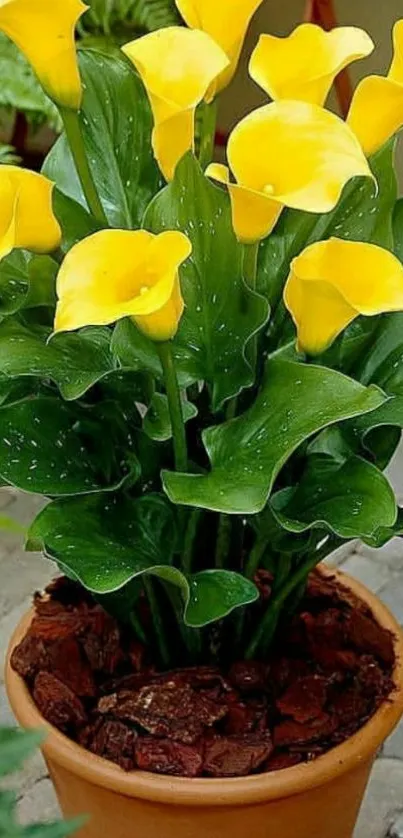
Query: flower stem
x=223, y=541
x=157, y=621
x=207, y=137
x=175, y=405
x=75, y=140
x=255, y=556
x=190, y=535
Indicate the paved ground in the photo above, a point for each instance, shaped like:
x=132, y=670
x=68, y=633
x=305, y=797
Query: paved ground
x=382, y=571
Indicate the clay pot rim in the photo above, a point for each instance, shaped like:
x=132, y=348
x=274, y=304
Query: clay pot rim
x=220, y=792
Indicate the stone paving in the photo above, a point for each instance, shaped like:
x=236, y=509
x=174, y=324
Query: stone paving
x=381, y=571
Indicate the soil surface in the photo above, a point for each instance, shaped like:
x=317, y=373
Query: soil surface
x=328, y=674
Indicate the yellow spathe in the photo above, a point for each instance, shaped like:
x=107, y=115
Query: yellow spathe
x=123, y=273
x=179, y=68
x=303, y=66
x=290, y=154
x=376, y=112
x=44, y=31
x=226, y=21
x=26, y=214
x=334, y=281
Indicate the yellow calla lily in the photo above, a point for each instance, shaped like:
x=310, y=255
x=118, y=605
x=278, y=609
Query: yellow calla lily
x=179, y=68
x=123, y=273
x=226, y=21
x=332, y=282
x=376, y=112
x=44, y=31
x=287, y=154
x=26, y=214
x=304, y=65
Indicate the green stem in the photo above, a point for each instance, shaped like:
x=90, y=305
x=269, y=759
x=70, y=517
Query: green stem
x=207, y=137
x=75, y=140
x=137, y=627
x=158, y=625
x=175, y=405
x=190, y=535
x=223, y=541
x=255, y=556
x=249, y=263
x=268, y=625
x=191, y=637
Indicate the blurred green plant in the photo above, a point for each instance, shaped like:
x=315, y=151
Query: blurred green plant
x=8, y=155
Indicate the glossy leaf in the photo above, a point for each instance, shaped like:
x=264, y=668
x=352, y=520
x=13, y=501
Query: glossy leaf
x=105, y=543
x=135, y=351
x=383, y=365
x=247, y=453
x=157, y=421
x=117, y=126
x=75, y=221
x=26, y=281
x=352, y=499
x=221, y=312
x=51, y=448
x=75, y=362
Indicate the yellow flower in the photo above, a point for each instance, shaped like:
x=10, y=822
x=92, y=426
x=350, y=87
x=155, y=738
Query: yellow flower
x=26, y=215
x=376, y=112
x=226, y=21
x=304, y=65
x=334, y=281
x=44, y=32
x=123, y=273
x=179, y=68
x=287, y=154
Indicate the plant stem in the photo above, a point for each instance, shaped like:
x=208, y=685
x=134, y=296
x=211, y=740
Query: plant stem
x=175, y=405
x=255, y=556
x=249, y=263
x=223, y=540
x=157, y=621
x=75, y=140
x=137, y=627
x=268, y=625
x=207, y=137
x=190, y=536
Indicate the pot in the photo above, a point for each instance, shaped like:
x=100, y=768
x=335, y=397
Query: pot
x=320, y=799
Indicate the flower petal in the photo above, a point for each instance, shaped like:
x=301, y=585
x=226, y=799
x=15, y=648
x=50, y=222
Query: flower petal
x=396, y=69
x=8, y=204
x=376, y=112
x=44, y=32
x=30, y=201
x=179, y=68
x=334, y=281
x=121, y=273
x=225, y=21
x=299, y=154
x=304, y=65
x=254, y=215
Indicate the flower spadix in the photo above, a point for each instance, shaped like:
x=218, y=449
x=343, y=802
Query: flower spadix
x=290, y=154
x=332, y=282
x=226, y=21
x=26, y=215
x=44, y=31
x=179, y=68
x=376, y=112
x=304, y=65
x=123, y=273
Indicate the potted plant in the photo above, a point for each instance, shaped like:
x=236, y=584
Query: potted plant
x=204, y=380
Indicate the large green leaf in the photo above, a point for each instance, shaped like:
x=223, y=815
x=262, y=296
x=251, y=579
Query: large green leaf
x=53, y=448
x=364, y=213
x=247, y=453
x=221, y=313
x=75, y=221
x=117, y=125
x=383, y=365
x=352, y=499
x=157, y=421
x=26, y=281
x=73, y=361
x=398, y=228
x=105, y=543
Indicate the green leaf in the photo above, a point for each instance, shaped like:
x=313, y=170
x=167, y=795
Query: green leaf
x=15, y=746
x=74, y=219
x=353, y=499
x=26, y=281
x=117, y=126
x=398, y=228
x=135, y=351
x=362, y=214
x=383, y=365
x=247, y=453
x=52, y=448
x=157, y=421
x=221, y=312
x=105, y=543
x=74, y=361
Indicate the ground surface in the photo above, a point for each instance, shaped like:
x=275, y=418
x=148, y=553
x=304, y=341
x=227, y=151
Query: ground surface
x=382, y=572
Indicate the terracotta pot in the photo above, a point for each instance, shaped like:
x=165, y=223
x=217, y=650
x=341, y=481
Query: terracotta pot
x=317, y=800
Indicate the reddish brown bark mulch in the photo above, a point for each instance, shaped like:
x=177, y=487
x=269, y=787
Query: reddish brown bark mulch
x=330, y=671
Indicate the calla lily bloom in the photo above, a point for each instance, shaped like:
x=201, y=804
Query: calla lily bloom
x=179, y=68
x=44, y=31
x=304, y=65
x=376, y=112
x=332, y=282
x=226, y=21
x=26, y=215
x=287, y=154
x=123, y=273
